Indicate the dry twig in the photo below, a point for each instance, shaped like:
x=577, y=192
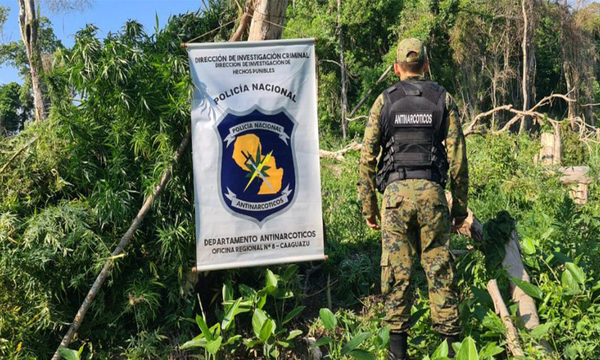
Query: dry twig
x=339, y=155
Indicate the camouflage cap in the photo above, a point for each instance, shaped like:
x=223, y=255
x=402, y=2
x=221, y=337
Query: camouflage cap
x=407, y=46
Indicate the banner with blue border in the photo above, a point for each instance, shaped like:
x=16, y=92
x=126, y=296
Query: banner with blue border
x=255, y=153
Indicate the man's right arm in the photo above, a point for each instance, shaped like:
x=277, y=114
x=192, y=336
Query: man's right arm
x=368, y=162
x=457, y=158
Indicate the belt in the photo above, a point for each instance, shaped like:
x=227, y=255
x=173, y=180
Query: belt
x=425, y=174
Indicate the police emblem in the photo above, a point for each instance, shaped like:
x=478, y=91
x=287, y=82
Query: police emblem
x=258, y=169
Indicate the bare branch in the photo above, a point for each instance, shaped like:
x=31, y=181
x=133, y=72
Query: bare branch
x=339, y=155
x=357, y=118
x=244, y=22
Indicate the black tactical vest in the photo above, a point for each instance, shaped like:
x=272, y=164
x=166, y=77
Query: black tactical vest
x=413, y=126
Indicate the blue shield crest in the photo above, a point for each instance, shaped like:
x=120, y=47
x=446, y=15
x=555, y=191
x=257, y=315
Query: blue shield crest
x=258, y=169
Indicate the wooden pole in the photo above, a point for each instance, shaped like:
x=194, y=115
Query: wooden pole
x=108, y=266
x=511, y=332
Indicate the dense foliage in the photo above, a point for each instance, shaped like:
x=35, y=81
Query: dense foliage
x=120, y=106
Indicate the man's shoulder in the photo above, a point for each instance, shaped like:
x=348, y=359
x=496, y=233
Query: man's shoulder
x=450, y=103
x=378, y=104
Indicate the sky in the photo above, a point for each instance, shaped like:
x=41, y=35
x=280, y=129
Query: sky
x=107, y=15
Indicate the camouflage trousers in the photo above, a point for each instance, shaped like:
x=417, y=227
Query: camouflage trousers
x=416, y=223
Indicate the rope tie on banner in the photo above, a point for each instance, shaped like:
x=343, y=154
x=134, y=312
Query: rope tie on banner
x=184, y=44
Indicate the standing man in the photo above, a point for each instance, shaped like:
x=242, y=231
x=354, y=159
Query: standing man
x=415, y=126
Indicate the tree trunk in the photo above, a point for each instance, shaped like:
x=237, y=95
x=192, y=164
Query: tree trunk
x=529, y=67
x=525, y=48
x=268, y=20
x=28, y=24
x=343, y=71
x=569, y=82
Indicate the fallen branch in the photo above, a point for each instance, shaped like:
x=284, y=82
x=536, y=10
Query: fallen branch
x=514, y=266
x=469, y=129
x=519, y=114
x=339, y=155
x=549, y=98
x=12, y=158
x=512, y=338
x=108, y=266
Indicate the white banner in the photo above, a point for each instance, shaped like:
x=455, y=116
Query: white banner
x=255, y=146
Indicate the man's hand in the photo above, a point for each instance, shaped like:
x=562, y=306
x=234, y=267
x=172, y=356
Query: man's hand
x=458, y=225
x=373, y=222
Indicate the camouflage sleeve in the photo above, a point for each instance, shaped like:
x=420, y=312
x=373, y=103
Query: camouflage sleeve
x=368, y=161
x=457, y=159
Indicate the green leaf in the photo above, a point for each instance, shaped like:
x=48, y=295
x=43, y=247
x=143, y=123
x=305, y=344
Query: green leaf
x=414, y=317
x=383, y=337
x=577, y=272
x=201, y=342
x=267, y=330
x=261, y=298
x=355, y=342
x=246, y=291
x=289, y=316
x=418, y=339
x=569, y=283
x=490, y=350
x=284, y=343
x=441, y=351
x=541, y=330
x=227, y=291
x=258, y=320
x=68, y=354
x=493, y=322
x=230, y=315
x=328, y=318
x=204, y=328
x=528, y=288
x=468, y=350
x=561, y=258
x=214, y=346
x=528, y=245
x=293, y=334
x=360, y=354
x=271, y=278
x=232, y=339
x=251, y=343
x=322, y=341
